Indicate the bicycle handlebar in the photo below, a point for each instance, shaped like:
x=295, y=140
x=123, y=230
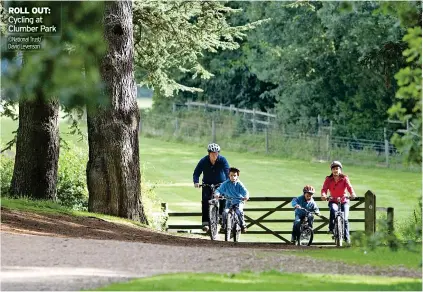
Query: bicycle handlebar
x=338, y=199
x=301, y=208
x=213, y=186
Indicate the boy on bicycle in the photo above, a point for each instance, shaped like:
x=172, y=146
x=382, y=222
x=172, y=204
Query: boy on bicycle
x=304, y=201
x=235, y=193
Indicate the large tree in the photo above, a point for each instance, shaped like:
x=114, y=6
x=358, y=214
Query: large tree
x=113, y=170
x=42, y=80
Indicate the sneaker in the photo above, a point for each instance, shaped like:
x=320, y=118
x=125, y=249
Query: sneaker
x=293, y=241
x=205, y=228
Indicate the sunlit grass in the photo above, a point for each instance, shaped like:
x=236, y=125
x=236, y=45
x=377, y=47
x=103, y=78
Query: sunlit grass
x=266, y=281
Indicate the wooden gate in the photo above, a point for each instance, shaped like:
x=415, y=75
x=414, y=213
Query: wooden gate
x=369, y=220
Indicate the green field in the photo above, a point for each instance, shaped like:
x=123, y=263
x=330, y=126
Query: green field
x=168, y=168
x=267, y=281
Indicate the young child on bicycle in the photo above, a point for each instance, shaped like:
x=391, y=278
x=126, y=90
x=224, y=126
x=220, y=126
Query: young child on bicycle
x=304, y=201
x=235, y=193
x=337, y=184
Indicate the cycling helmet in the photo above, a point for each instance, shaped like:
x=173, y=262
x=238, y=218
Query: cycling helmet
x=213, y=147
x=309, y=189
x=335, y=163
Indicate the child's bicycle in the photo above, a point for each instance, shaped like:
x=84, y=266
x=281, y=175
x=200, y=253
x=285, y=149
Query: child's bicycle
x=213, y=211
x=233, y=226
x=306, y=232
x=338, y=230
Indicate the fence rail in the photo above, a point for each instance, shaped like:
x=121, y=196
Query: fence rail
x=231, y=108
x=369, y=220
x=246, y=133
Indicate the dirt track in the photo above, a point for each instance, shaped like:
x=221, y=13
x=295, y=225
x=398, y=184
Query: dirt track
x=83, y=253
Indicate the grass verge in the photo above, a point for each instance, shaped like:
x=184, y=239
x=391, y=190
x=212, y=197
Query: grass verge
x=379, y=257
x=266, y=281
x=49, y=207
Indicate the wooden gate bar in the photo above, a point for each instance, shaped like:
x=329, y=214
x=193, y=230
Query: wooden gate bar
x=369, y=210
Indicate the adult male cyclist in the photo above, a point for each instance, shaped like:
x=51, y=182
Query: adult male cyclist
x=215, y=170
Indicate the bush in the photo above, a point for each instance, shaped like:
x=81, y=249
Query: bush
x=152, y=205
x=411, y=228
x=408, y=235
x=72, y=191
x=6, y=172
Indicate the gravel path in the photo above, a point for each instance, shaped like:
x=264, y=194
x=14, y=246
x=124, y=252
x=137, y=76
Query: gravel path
x=31, y=262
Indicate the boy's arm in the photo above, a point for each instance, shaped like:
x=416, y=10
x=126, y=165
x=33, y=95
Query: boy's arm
x=316, y=208
x=295, y=202
x=244, y=192
x=220, y=190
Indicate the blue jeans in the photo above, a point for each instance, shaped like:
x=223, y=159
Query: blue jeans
x=238, y=211
x=345, y=207
x=297, y=223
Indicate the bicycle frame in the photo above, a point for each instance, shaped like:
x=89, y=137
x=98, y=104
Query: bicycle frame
x=306, y=231
x=339, y=222
x=213, y=211
x=233, y=226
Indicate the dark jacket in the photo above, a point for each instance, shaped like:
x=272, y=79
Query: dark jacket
x=212, y=174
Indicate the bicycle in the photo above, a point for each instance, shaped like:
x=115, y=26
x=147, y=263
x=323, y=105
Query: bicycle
x=339, y=228
x=213, y=211
x=233, y=225
x=306, y=231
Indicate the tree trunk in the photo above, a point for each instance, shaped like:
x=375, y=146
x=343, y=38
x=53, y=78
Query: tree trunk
x=113, y=169
x=37, y=149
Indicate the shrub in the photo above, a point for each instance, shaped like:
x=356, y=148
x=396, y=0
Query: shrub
x=152, y=205
x=411, y=228
x=6, y=172
x=72, y=191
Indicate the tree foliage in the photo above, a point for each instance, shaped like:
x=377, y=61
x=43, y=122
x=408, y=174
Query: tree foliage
x=172, y=36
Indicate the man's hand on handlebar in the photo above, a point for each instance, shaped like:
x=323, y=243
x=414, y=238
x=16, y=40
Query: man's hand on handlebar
x=196, y=185
x=297, y=206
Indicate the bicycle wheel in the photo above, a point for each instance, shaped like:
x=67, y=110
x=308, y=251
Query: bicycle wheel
x=236, y=229
x=306, y=236
x=213, y=221
x=228, y=226
x=339, y=231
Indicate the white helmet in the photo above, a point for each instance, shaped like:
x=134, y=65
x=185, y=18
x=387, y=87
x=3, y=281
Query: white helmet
x=213, y=147
x=335, y=163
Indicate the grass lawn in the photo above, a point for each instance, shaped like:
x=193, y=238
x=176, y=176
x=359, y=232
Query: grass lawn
x=168, y=167
x=380, y=257
x=266, y=281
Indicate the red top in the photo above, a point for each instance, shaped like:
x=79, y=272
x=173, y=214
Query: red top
x=337, y=189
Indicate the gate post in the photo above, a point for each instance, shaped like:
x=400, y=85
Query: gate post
x=370, y=212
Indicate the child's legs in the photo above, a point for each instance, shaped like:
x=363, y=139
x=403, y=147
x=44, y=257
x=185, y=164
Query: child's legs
x=333, y=207
x=224, y=216
x=240, y=215
x=296, y=227
x=346, y=209
x=310, y=220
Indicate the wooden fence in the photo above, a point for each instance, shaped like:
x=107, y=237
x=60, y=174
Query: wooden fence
x=369, y=209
